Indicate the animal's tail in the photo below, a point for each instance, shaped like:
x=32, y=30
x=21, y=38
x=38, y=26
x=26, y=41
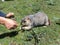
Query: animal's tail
x=49, y=21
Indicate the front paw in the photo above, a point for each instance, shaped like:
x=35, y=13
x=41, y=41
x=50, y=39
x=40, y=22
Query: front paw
x=25, y=28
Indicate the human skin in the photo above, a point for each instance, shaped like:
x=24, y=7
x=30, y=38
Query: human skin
x=10, y=24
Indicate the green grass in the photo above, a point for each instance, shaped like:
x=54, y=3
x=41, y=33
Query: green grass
x=48, y=35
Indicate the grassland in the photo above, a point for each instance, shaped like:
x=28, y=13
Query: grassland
x=47, y=35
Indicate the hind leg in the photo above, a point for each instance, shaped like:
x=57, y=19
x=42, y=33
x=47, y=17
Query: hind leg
x=46, y=24
x=46, y=21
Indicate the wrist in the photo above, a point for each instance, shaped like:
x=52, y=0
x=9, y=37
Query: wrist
x=2, y=20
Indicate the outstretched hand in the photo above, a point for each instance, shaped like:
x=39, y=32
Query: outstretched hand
x=10, y=24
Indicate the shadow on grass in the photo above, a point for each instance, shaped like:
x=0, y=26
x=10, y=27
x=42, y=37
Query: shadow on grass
x=8, y=34
x=9, y=0
x=58, y=23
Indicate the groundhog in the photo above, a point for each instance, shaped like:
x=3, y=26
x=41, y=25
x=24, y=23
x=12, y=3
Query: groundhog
x=37, y=19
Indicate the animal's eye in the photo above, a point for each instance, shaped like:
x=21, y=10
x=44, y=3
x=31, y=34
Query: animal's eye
x=24, y=21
